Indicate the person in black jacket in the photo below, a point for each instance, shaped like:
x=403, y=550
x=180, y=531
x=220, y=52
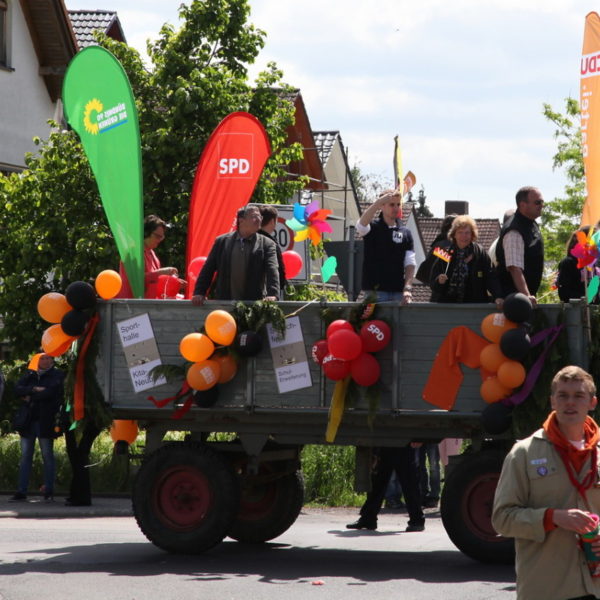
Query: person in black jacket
x=43, y=390
x=570, y=282
x=469, y=275
x=268, y=225
x=245, y=264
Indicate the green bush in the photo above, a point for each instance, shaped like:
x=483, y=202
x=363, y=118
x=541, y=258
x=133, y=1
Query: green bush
x=328, y=470
x=329, y=476
x=109, y=473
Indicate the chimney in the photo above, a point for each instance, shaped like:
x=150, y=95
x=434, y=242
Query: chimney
x=457, y=207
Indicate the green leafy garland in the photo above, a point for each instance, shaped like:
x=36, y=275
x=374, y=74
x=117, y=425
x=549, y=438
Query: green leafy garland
x=253, y=317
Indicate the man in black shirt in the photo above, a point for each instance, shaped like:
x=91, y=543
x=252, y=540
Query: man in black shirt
x=389, y=262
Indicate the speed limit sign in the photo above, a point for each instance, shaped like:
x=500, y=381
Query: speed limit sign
x=284, y=236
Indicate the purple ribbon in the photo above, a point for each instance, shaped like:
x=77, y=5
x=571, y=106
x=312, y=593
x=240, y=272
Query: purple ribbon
x=536, y=369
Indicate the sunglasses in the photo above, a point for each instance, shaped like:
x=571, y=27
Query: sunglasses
x=538, y=202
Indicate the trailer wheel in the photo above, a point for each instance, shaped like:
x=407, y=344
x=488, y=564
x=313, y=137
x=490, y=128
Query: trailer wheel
x=466, y=508
x=185, y=497
x=268, y=507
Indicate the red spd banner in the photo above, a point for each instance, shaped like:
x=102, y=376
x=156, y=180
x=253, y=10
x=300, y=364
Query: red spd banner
x=227, y=172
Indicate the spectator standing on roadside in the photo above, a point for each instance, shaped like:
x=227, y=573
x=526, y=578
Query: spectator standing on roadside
x=548, y=490
x=43, y=390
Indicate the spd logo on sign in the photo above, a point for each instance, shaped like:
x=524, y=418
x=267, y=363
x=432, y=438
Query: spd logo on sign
x=235, y=152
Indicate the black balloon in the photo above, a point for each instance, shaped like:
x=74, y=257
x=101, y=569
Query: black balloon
x=248, y=343
x=517, y=307
x=515, y=343
x=81, y=295
x=207, y=398
x=74, y=322
x=496, y=418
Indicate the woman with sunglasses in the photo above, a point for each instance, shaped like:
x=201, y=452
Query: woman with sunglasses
x=154, y=234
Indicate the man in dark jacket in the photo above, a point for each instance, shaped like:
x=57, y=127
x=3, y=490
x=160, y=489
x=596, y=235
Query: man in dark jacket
x=245, y=264
x=520, y=248
x=268, y=225
x=43, y=391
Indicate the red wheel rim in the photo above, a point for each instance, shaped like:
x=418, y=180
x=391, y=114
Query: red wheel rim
x=477, y=503
x=257, y=501
x=182, y=497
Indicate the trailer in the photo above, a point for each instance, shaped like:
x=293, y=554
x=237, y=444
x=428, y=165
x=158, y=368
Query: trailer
x=189, y=495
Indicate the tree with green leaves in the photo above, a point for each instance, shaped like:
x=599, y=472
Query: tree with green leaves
x=561, y=216
x=54, y=228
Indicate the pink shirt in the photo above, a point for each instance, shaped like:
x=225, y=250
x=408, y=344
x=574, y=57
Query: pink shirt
x=151, y=265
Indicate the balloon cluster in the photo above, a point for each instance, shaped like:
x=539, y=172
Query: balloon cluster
x=510, y=344
x=210, y=367
x=345, y=352
x=70, y=312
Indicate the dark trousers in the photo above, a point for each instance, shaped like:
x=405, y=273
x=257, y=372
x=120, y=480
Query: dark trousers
x=405, y=461
x=79, y=456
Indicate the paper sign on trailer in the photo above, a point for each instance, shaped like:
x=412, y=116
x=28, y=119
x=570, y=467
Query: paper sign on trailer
x=289, y=357
x=141, y=351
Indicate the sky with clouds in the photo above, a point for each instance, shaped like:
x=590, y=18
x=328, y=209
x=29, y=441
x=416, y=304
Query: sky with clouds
x=462, y=83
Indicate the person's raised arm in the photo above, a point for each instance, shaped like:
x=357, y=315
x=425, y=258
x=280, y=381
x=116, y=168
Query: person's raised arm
x=370, y=213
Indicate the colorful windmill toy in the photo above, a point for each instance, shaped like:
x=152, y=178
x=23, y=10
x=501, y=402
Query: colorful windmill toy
x=309, y=222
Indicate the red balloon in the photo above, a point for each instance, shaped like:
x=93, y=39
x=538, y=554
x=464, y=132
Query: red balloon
x=292, y=263
x=167, y=286
x=365, y=370
x=334, y=368
x=337, y=325
x=319, y=351
x=345, y=344
x=195, y=267
x=376, y=335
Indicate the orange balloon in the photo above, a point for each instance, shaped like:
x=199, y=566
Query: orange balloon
x=204, y=375
x=228, y=367
x=492, y=390
x=123, y=430
x=34, y=363
x=220, y=327
x=55, y=341
x=108, y=284
x=511, y=373
x=196, y=347
x=494, y=325
x=53, y=306
x=491, y=358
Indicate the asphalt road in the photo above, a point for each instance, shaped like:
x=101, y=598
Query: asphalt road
x=52, y=552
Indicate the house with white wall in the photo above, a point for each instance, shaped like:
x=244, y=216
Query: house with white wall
x=38, y=38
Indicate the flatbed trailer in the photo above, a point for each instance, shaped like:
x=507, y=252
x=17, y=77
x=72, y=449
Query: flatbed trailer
x=188, y=496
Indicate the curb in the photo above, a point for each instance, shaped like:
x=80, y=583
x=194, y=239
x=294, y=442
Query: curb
x=36, y=508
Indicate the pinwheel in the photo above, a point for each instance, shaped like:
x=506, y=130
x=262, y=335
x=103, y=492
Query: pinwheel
x=309, y=222
x=586, y=250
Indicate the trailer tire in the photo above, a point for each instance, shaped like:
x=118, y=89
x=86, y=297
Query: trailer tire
x=185, y=497
x=269, y=509
x=466, y=508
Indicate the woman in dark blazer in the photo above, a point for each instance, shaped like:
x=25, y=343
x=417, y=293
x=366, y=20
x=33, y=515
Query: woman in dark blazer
x=469, y=275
